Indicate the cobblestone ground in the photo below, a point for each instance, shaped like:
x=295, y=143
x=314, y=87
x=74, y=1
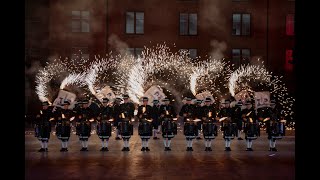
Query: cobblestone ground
x=218, y=164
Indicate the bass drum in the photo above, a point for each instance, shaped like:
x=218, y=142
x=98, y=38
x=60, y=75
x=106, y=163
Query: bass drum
x=210, y=130
x=190, y=130
x=145, y=129
x=230, y=130
x=169, y=129
x=126, y=128
x=252, y=131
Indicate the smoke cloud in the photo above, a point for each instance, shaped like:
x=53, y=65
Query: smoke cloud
x=117, y=44
x=211, y=15
x=218, y=49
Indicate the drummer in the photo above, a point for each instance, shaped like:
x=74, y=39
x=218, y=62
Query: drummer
x=190, y=128
x=145, y=126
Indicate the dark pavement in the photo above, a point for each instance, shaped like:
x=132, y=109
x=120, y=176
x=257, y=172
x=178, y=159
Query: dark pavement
x=218, y=164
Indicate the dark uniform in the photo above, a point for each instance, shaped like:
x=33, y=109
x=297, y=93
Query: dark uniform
x=126, y=128
x=251, y=125
x=236, y=118
x=169, y=126
x=155, y=117
x=116, y=116
x=63, y=127
x=104, y=125
x=197, y=115
x=228, y=128
x=83, y=125
x=190, y=129
x=275, y=127
x=210, y=130
x=145, y=123
x=43, y=126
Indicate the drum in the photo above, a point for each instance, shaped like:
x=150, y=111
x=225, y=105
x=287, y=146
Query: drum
x=190, y=130
x=230, y=131
x=84, y=130
x=210, y=130
x=252, y=131
x=145, y=129
x=169, y=128
x=126, y=129
x=276, y=130
x=104, y=130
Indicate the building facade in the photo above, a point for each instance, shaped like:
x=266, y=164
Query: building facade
x=241, y=31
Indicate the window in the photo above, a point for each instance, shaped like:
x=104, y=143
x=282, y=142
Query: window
x=289, y=60
x=135, y=22
x=136, y=52
x=240, y=56
x=241, y=24
x=80, y=21
x=290, y=24
x=192, y=52
x=80, y=53
x=188, y=24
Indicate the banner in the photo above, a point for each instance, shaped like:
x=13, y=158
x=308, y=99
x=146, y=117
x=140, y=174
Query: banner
x=154, y=92
x=242, y=95
x=204, y=95
x=65, y=96
x=105, y=92
x=262, y=99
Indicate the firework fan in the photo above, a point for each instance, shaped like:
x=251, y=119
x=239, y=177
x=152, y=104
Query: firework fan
x=210, y=75
x=67, y=71
x=50, y=72
x=101, y=73
x=252, y=78
x=156, y=65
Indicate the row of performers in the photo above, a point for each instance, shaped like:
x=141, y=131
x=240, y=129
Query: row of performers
x=196, y=118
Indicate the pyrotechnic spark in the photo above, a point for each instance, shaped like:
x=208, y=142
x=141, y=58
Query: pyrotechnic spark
x=210, y=75
x=255, y=78
x=73, y=79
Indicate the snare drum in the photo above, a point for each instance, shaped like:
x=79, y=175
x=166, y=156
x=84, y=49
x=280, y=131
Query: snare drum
x=126, y=129
x=145, y=129
x=209, y=130
x=190, y=130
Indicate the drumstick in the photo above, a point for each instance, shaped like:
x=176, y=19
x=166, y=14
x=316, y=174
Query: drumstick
x=249, y=113
x=223, y=119
x=63, y=116
x=266, y=119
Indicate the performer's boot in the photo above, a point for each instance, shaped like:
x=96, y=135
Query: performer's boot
x=124, y=145
x=143, y=145
x=102, y=143
x=226, y=144
x=117, y=134
x=274, y=145
x=251, y=145
x=270, y=145
x=169, y=142
x=188, y=145
x=209, y=145
x=239, y=135
x=127, y=145
x=191, y=149
x=46, y=146
x=155, y=134
x=147, y=144
x=66, y=145
x=248, y=145
x=206, y=144
x=106, y=145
